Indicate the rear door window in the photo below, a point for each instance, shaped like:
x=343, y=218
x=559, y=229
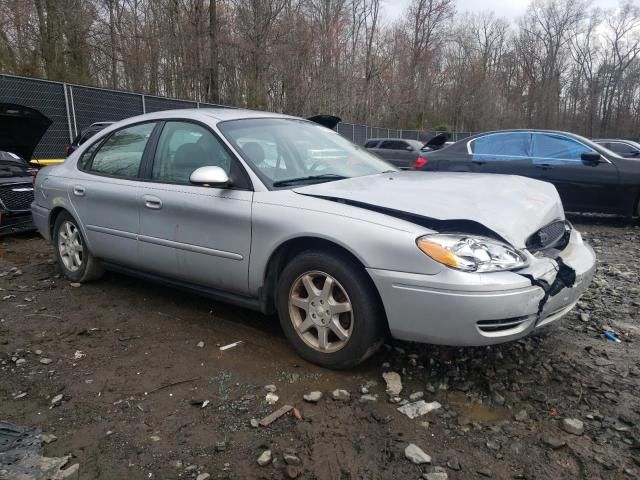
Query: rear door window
x=121, y=154
x=501, y=146
x=371, y=144
x=553, y=146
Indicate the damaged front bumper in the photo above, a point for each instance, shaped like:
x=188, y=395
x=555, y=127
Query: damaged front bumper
x=473, y=309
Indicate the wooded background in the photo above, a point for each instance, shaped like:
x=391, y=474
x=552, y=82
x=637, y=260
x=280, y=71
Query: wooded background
x=563, y=64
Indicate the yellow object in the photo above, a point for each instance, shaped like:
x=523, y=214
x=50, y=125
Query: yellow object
x=438, y=253
x=45, y=162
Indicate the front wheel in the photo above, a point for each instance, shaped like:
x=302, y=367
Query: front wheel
x=72, y=253
x=329, y=310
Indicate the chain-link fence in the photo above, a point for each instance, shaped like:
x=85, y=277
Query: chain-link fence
x=74, y=107
x=361, y=133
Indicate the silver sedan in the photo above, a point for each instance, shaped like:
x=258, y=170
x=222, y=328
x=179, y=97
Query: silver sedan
x=279, y=214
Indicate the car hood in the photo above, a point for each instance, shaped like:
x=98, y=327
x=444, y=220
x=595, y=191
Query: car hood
x=513, y=207
x=21, y=129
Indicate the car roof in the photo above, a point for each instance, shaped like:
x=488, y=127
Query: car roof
x=611, y=140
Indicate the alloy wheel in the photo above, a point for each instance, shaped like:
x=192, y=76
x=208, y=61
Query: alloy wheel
x=70, y=246
x=321, y=311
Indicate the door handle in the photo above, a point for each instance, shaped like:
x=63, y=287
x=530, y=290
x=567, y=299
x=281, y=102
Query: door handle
x=151, y=202
x=543, y=166
x=78, y=190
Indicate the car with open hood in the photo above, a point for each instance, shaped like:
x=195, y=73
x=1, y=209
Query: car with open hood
x=21, y=128
x=285, y=216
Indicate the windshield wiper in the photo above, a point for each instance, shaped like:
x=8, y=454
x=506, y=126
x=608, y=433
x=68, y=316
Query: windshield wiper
x=309, y=178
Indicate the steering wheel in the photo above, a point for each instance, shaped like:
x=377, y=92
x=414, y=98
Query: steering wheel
x=318, y=163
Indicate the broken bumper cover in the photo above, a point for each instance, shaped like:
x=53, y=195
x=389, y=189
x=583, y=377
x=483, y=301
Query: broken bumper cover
x=473, y=309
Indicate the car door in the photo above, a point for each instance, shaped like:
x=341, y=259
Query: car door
x=502, y=152
x=198, y=234
x=583, y=186
x=104, y=193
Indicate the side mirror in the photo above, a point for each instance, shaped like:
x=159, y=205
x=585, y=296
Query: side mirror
x=210, y=177
x=592, y=158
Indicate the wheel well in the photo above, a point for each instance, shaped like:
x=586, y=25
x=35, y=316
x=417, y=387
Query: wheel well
x=289, y=249
x=53, y=216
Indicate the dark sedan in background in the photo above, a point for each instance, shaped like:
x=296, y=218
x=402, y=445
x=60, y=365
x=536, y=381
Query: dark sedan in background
x=588, y=176
x=624, y=148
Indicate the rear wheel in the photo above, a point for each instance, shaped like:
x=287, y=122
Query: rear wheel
x=329, y=310
x=73, y=255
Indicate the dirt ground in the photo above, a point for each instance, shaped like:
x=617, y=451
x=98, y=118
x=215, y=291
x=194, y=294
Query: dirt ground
x=125, y=356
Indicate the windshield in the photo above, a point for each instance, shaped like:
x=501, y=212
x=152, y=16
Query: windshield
x=288, y=152
x=10, y=169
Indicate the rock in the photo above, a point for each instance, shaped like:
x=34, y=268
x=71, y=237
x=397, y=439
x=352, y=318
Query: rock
x=221, y=446
x=436, y=473
x=270, y=388
x=48, y=438
x=203, y=476
x=154, y=438
x=498, y=399
x=21, y=361
x=265, y=458
x=292, y=472
x=394, y=383
x=553, y=442
x=454, y=464
x=313, y=397
x=291, y=459
x=38, y=352
x=271, y=398
x=57, y=399
x=573, y=426
x=368, y=398
x=521, y=416
x=341, y=395
x=254, y=422
x=492, y=445
x=484, y=473
x=416, y=455
x=200, y=344
x=585, y=317
x=416, y=396
x=176, y=464
x=419, y=408
x=45, y=361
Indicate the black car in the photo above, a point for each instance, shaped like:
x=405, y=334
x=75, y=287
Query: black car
x=84, y=135
x=624, y=148
x=588, y=176
x=21, y=128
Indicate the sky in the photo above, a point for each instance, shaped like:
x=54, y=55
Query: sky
x=508, y=9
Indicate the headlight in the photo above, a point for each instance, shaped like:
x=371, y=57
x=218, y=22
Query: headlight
x=471, y=253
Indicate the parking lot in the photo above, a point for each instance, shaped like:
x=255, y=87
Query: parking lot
x=147, y=392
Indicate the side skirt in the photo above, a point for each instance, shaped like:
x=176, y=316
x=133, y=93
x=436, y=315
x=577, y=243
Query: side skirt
x=258, y=304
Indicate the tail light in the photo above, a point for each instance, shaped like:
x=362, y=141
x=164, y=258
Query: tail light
x=33, y=178
x=67, y=149
x=421, y=161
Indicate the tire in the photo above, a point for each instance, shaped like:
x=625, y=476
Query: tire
x=346, y=307
x=75, y=260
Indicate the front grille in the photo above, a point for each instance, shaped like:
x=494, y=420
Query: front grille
x=554, y=235
x=504, y=324
x=16, y=196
